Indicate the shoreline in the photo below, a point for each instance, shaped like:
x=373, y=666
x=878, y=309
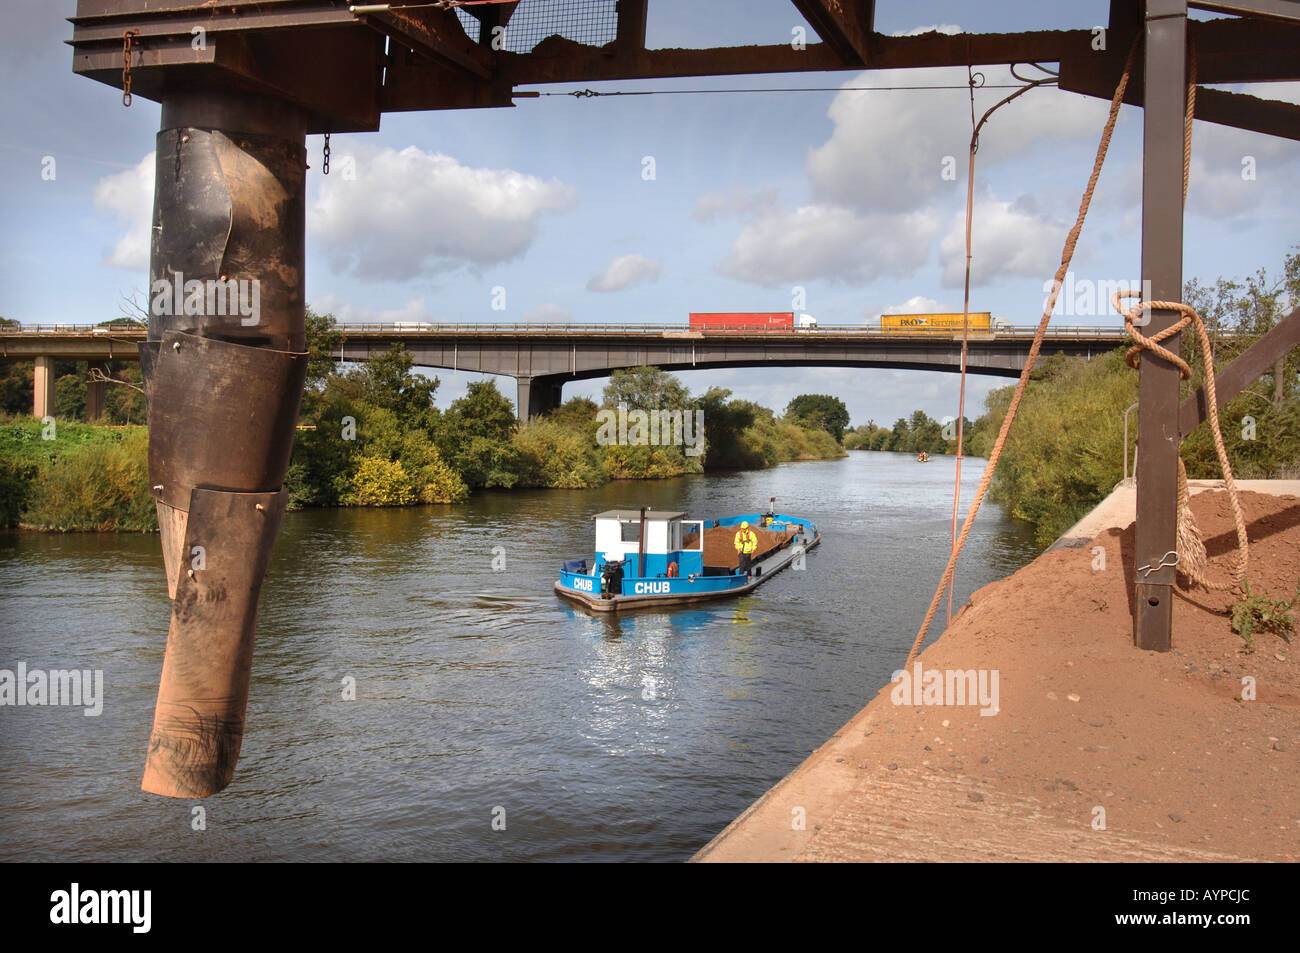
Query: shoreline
x=1098, y=752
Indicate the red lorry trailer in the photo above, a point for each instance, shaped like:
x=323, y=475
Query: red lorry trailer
x=742, y=321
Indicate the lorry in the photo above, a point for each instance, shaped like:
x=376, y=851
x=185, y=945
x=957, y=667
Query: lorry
x=745, y=321
x=981, y=322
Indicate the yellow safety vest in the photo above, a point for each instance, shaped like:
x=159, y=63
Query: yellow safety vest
x=746, y=541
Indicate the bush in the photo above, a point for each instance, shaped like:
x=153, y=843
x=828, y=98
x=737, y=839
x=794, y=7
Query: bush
x=552, y=455
x=100, y=485
x=381, y=482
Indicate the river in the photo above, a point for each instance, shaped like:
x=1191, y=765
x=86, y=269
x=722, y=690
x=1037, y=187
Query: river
x=482, y=701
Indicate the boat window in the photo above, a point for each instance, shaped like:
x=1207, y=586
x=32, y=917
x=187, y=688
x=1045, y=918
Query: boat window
x=631, y=531
x=692, y=536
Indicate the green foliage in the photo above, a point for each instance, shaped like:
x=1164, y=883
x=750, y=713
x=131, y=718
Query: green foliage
x=99, y=484
x=378, y=481
x=1254, y=613
x=1064, y=453
x=820, y=410
x=646, y=388
x=552, y=453
x=124, y=403
x=16, y=388
x=70, y=396
x=908, y=435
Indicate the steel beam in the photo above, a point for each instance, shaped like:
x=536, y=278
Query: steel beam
x=1165, y=29
x=1269, y=351
x=1285, y=10
x=845, y=26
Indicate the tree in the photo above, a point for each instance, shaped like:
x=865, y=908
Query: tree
x=475, y=437
x=725, y=423
x=646, y=388
x=821, y=410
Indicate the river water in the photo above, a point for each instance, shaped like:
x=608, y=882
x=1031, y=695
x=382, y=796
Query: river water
x=482, y=700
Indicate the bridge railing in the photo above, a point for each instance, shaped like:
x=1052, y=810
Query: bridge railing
x=403, y=328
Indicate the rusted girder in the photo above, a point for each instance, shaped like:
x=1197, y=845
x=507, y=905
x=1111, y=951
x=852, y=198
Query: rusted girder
x=1285, y=10
x=437, y=34
x=1230, y=381
x=223, y=368
x=845, y=25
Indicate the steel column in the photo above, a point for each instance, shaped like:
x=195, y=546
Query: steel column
x=1162, y=266
x=223, y=367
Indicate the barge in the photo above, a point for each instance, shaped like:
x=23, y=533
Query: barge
x=649, y=558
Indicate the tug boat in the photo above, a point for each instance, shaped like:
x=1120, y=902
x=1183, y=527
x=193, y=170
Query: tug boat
x=659, y=558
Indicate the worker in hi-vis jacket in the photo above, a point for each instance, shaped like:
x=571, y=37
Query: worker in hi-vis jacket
x=746, y=544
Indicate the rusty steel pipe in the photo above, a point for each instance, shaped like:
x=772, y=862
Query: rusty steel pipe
x=223, y=365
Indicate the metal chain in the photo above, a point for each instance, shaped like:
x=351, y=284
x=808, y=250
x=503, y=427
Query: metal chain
x=128, y=39
x=325, y=169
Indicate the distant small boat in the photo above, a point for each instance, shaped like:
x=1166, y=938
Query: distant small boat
x=651, y=558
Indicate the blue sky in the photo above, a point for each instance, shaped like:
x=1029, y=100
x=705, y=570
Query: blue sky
x=838, y=193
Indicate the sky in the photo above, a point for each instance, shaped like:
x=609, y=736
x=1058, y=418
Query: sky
x=641, y=209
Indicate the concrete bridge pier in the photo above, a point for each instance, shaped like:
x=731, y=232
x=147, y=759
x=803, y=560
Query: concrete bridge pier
x=96, y=390
x=43, y=379
x=538, y=395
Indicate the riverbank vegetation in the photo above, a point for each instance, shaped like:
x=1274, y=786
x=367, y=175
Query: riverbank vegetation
x=1065, y=452
x=1066, y=449
x=372, y=435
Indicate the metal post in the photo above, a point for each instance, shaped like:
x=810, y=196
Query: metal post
x=1162, y=266
x=223, y=366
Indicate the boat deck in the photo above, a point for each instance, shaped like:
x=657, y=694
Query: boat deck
x=720, y=545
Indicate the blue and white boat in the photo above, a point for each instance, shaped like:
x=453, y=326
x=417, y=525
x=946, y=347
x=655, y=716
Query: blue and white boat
x=656, y=558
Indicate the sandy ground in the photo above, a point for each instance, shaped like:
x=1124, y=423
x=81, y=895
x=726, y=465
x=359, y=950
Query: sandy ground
x=1098, y=751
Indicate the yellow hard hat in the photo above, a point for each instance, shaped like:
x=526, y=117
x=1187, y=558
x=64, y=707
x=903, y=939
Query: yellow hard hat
x=744, y=525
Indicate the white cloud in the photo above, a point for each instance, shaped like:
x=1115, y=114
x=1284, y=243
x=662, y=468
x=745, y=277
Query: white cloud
x=738, y=202
x=889, y=149
x=917, y=304
x=624, y=271
x=412, y=212
x=414, y=311
x=128, y=195
x=824, y=241
x=548, y=313
x=1007, y=238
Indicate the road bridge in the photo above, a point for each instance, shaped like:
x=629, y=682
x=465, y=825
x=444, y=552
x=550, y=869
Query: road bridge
x=542, y=357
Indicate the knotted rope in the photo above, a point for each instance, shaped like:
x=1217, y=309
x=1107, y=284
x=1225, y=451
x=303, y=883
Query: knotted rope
x=1191, y=550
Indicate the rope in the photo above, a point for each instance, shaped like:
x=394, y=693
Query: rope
x=1192, y=560
x=1067, y=254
